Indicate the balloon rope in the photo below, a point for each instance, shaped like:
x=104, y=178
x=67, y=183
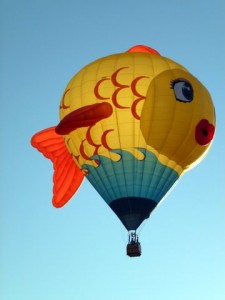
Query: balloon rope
x=142, y=226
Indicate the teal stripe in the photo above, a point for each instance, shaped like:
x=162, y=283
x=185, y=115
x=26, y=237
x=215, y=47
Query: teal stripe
x=130, y=177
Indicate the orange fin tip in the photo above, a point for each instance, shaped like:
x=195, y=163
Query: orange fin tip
x=67, y=177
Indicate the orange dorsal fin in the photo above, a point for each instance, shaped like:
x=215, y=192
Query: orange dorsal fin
x=67, y=176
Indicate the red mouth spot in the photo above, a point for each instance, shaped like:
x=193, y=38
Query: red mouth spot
x=204, y=132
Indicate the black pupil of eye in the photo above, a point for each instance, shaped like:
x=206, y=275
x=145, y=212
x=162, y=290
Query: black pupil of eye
x=187, y=91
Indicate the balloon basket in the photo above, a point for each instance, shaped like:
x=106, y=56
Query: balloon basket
x=133, y=246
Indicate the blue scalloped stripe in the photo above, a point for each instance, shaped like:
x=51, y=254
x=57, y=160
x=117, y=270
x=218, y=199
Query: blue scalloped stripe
x=130, y=177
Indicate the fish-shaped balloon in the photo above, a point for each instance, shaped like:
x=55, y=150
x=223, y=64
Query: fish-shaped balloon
x=131, y=123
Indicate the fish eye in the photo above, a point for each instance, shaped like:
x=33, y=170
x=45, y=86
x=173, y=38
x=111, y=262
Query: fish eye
x=183, y=90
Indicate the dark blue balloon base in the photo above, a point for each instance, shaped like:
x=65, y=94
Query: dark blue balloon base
x=132, y=211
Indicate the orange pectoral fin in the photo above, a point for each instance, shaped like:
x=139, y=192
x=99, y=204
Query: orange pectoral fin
x=67, y=177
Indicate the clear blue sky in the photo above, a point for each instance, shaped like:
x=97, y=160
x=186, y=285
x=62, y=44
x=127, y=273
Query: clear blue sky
x=78, y=252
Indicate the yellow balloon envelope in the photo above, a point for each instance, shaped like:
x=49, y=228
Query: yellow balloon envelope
x=132, y=123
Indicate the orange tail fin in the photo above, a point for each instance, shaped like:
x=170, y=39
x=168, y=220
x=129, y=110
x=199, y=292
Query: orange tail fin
x=67, y=176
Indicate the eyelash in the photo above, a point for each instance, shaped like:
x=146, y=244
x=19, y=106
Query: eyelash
x=173, y=82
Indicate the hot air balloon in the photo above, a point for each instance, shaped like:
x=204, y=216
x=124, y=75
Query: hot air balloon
x=132, y=123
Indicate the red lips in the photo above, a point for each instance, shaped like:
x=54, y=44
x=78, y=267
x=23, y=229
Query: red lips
x=204, y=132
